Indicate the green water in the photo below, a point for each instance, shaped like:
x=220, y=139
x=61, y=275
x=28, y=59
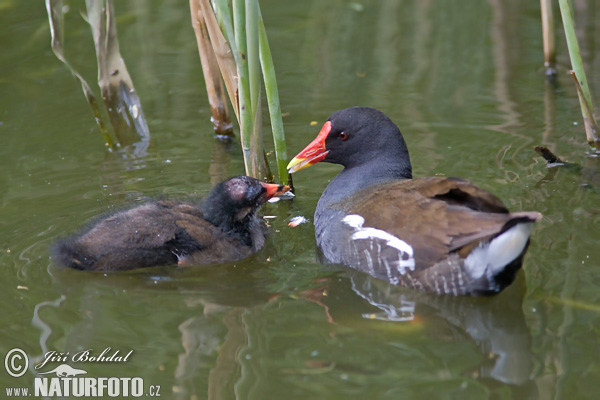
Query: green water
x=465, y=83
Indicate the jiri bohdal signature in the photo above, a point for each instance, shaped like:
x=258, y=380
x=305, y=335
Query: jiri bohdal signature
x=85, y=356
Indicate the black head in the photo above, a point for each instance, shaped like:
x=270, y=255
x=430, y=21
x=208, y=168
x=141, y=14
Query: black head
x=357, y=136
x=237, y=199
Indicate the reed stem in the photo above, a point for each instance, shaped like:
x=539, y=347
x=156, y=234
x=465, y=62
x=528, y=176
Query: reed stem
x=255, y=85
x=121, y=101
x=548, y=36
x=585, y=98
x=212, y=74
x=57, y=23
x=241, y=32
x=591, y=128
x=266, y=61
x=244, y=102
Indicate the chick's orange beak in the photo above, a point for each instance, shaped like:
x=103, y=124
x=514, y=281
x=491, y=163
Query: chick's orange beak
x=274, y=189
x=313, y=153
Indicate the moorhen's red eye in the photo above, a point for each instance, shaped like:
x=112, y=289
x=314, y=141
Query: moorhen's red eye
x=342, y=136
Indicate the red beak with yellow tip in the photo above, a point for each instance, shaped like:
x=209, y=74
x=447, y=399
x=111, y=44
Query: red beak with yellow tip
x=313, y=153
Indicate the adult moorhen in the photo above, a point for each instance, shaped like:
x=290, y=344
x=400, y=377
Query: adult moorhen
x=223, y=228
x=443, y=235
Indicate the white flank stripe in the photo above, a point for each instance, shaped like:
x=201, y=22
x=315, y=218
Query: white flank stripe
x=372, y=234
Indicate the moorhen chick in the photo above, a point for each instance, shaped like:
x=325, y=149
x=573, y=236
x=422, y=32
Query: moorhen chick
x=442, y=235
x=223, y=228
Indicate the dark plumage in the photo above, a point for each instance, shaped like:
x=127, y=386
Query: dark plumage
x=223, y=228
x=442, y=235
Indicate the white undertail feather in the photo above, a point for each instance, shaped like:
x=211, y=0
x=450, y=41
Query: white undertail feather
x=491, y=257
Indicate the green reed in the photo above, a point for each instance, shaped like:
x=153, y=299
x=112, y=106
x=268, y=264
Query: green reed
x=583, y=90
x=241, y=41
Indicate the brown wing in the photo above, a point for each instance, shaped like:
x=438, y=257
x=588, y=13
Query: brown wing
x=188, y=217
x=142, y=224
x=433, y=215
x=157, y=233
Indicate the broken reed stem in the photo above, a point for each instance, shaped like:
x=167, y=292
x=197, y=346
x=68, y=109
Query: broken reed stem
x=120, y=99
x=223, y=12
x=56, y=19
x=222, y=50
x=212, y=74
x=583, y=90
x=548, y=37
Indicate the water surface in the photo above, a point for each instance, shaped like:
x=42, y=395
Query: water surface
x=465, y=84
